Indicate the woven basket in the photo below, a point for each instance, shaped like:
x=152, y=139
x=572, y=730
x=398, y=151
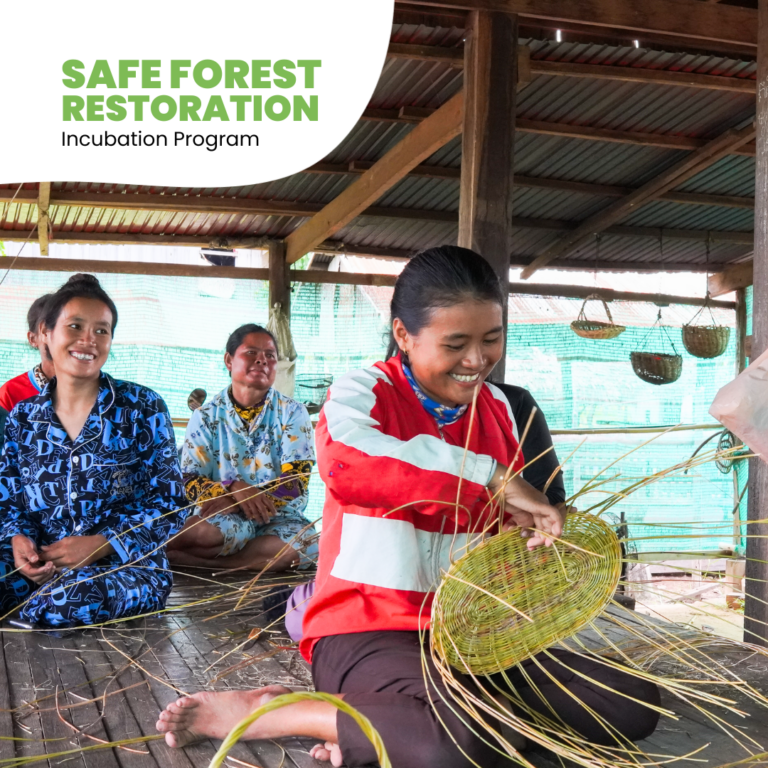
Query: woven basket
x=595, y=329
x=560, y=589
x=312, y=391
x=706, y=340
x=657, y=367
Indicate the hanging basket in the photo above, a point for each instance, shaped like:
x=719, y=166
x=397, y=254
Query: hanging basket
x=312, y=391
x=706, y=341
x=596, y=329
x=657, y=367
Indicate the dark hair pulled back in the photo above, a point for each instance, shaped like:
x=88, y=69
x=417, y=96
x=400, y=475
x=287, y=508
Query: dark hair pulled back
x=237, y=337
x=36, y=312
x=440, y=277
x=79, y=286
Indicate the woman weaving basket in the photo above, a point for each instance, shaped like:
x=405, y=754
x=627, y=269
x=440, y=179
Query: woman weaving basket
x=410, y=468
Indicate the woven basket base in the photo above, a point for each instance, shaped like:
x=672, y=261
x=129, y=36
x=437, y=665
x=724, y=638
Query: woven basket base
x=558, y=588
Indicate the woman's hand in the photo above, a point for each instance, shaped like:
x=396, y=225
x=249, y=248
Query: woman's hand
x=254, y=503
x=219, y=505
x=76, y=551
x=528, y=508
x=29, y=562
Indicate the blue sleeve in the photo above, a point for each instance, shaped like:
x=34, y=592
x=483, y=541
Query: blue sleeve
x=13, y=512
x=145, y=524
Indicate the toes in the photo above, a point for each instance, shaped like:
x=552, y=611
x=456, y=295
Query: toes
x=187, y=702
x=319, y=752
x=178, y=739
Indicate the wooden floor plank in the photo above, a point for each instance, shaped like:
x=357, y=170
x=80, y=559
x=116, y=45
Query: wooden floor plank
x=46, y=680
x=7, y=751
x=27, y=723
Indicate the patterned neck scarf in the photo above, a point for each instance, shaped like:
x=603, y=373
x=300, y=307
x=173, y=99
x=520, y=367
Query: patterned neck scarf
x=442, y=414
x=40, y=378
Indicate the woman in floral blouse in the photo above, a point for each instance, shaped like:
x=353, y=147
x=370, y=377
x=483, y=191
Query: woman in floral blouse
x=246, y=462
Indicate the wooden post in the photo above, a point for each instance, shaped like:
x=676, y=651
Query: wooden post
x=43, y=221
x=279, y=276
x=756, y=604
x=487, y=162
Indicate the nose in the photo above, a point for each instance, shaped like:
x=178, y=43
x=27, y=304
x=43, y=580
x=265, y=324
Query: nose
x=475, y=359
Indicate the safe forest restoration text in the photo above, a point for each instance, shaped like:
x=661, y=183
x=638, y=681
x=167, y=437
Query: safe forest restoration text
x=231, y=74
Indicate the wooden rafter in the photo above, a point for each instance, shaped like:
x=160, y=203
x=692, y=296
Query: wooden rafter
x=449, y=217
x=682, y=171
x=416, y=147
x=731, y=279
x=689, y=19
x=454, y=57
x=587, y=133
x=236, y=206
x=312, y=276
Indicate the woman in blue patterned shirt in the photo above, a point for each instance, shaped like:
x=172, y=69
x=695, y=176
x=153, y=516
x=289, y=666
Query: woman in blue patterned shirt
x=246, y=461
x=90, y=487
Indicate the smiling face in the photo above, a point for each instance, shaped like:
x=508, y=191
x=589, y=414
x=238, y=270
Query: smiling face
x=254, y=363
x=80, y=341
x=455, y=351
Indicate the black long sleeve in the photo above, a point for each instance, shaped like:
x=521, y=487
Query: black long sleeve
x=537, y=441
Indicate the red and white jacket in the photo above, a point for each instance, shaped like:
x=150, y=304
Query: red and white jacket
x=391, y=523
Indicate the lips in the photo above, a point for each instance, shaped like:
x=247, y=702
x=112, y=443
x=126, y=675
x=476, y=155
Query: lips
x=465, y=378
x=86, y=357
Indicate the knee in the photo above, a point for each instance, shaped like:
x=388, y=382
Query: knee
x=459, y=745
x=197, y=533
x=633, y=718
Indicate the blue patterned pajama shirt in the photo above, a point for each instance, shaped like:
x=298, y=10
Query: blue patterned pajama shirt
x=120, y=478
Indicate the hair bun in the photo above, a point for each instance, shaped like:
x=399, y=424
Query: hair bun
x=83, y=277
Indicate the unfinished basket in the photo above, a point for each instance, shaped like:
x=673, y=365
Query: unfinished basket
x=596, y=329
x=500, y=603
x=657, y=367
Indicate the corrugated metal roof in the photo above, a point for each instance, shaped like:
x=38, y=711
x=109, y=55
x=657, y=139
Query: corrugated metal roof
x=573, y=101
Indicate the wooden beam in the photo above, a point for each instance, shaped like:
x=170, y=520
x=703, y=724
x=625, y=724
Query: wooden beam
x=417, y=146
x=563, y=130
x=684, y=18
x=210, y=205
x=559, y=185
x=741, y=333
x=260, y=241
x=279, y=277
x=488, y=145
x=681, y=171
x=730, y=279
x=626, y=74
x=585, y=265
x=581, y=292
x=43, y=220
x=37, y=264
x=428, y=17
x=756, y=603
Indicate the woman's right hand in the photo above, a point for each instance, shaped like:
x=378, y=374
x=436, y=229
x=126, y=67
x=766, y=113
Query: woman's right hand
x=528, y=508
x=254, y=503
x=27, y=560
x=219, y=505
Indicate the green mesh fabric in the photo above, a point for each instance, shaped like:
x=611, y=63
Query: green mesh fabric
x=172, y=331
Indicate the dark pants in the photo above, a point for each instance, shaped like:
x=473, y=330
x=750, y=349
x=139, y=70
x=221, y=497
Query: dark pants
x=381, y=675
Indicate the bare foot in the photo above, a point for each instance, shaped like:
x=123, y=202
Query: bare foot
x=213, y=715
x=329, y=751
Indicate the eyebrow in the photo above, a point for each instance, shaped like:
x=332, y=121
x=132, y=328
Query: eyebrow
x=260, y=349
x=457, y=336
x=82, y=320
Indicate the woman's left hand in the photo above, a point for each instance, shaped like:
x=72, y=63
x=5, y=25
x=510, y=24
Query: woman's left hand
x=76, y=551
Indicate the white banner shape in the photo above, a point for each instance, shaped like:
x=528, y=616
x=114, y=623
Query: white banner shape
x=169, y=93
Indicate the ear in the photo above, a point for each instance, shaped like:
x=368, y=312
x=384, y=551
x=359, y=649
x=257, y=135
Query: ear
x=402, y=337
x=228, y=361
x=32, y=339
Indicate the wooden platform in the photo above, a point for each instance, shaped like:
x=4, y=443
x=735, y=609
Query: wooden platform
x=111, y=684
